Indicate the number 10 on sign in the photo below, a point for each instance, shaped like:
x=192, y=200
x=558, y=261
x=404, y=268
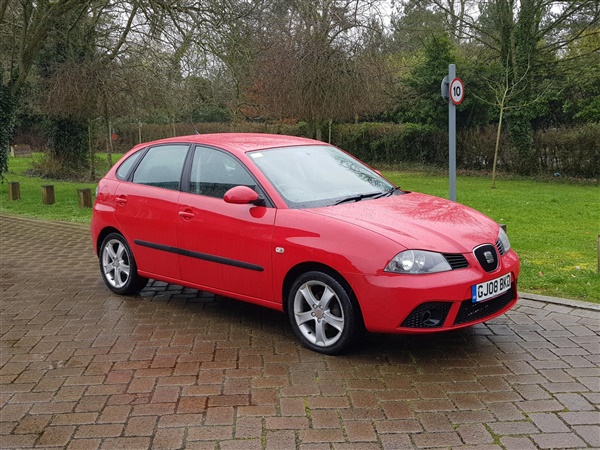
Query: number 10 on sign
x=457, y=91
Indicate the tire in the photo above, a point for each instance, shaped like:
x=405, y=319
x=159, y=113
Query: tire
x=118, y=266
x=322, y=313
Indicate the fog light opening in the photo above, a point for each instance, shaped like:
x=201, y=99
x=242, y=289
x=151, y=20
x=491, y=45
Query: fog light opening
x=432, y=317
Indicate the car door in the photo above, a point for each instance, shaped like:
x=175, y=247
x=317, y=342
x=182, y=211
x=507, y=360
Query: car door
x=147, y=206
x=226, y=247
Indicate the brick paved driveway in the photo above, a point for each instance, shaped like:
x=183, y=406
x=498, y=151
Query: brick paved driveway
x=174, y=368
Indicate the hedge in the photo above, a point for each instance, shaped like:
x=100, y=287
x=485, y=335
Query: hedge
x=573, y=152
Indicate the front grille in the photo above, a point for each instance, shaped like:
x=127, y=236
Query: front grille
x=428, y=315
x=500, y=247
x=471, y=312
x=456, y=261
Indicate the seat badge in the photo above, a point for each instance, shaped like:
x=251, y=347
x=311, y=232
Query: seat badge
x=279, y=250
x=489, y=257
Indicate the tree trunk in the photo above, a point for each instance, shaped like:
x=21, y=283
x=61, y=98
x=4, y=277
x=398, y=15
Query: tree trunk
x=318, y=131
x=497, y=147
x=7, y=121
x=91, y=148
x=109, y=146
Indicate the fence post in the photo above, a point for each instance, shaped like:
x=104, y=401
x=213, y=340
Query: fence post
x=84, y=198
x=14, y=190
x=48, y=194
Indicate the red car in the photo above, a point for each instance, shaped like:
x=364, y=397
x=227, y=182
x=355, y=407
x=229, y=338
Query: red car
x=299, y=226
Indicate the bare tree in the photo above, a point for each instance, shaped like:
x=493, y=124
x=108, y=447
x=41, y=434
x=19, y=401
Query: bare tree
x=313, y=66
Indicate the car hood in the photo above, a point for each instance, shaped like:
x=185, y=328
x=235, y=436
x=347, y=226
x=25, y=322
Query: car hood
x=419, y=221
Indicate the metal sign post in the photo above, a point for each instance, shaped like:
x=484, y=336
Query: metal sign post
x=453, y=91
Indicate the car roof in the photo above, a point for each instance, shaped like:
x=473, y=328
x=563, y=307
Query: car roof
x=241, y=142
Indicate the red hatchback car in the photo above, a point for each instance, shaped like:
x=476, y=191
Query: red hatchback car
x=300, y=226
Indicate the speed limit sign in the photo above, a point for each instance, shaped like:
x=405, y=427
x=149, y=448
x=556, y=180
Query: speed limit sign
x=457, y=91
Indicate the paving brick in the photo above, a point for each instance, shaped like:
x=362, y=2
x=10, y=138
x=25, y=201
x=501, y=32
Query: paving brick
x=180, y=420
x=168, y=438
x=127, y=443
x=243, y=444
x=513, y=428
x=93, y=431
x=581, y=418
x=292, y=406
x=474, y=434
x=557, y=440
x=277, y=440
x=325, y=435
x=85, y=444
x=397, y=410
x=589, y=433
x=549, y=423
x=435, y=422
x=141, y=426
x=248, y=427
x=325, y=418
x=398, y=426
x=437, y=440
x=31, y=424
x=286, y=423
x=360, y=432
x=56, y=436
x=19, y=440
x=74, y=418
x=115, y=414
x=219, y=416
x=210, y=433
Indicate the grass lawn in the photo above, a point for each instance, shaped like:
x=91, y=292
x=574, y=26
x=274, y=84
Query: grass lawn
x=553, y=226
x=66, y=206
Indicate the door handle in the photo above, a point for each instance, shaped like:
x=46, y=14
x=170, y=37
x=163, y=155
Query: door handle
x=121, y=200
x=187, y=215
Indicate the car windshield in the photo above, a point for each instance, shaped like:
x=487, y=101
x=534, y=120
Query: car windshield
x=316, y=176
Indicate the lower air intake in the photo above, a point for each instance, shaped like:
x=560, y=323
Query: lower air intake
x=470, y=312
x=428, y=315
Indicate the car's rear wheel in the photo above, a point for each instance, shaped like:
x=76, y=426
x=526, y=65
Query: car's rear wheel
x=118, y=266
x=322, y=313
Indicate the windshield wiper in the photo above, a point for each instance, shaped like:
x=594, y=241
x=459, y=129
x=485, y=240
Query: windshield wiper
x=359, y=197
x=387, y=193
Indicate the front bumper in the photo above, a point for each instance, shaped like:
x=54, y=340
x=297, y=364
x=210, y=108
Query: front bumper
x=397, y=303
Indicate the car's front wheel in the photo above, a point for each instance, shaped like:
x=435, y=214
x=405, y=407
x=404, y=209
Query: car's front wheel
x=322, y=313
x=118, y=266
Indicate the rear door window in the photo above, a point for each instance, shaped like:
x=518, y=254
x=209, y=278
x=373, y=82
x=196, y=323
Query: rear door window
x=162, y=166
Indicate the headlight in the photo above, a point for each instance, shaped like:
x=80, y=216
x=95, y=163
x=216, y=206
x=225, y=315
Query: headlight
x=418, y=261
x=503, y=238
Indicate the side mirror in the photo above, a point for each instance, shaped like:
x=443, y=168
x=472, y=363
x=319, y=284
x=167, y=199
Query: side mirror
x=243, y=195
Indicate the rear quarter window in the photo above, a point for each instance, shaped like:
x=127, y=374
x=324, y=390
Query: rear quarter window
x=126, y=166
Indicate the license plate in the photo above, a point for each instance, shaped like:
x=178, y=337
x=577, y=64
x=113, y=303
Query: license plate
x=490, y=289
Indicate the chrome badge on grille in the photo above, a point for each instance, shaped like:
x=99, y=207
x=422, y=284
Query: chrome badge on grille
x=487, y=256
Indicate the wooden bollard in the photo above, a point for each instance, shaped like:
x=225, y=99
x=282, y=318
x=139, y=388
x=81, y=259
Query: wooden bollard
x=14, y=190
x=48, y=194
x=85, y=198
